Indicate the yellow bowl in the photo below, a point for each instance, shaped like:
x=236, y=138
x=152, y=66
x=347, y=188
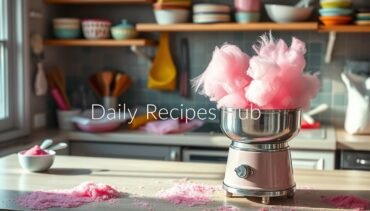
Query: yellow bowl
x=335, y=4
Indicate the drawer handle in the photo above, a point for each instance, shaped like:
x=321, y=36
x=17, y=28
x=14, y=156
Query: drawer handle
x=174, y=155
x=363, y=162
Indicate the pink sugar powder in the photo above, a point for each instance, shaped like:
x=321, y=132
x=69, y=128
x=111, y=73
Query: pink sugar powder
x=347, y=202
x=86, y=192
x=35, y=151
x=227, y=208
x=188, y=194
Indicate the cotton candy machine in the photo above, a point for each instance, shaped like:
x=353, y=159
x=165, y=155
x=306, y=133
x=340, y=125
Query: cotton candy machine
x=259, y=163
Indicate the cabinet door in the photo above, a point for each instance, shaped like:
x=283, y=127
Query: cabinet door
x=131, y=151
x=317, y=160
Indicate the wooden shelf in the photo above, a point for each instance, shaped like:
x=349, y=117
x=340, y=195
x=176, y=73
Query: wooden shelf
x=345, y=28
x=102, y=43
x=98, y=1
x=263, y=26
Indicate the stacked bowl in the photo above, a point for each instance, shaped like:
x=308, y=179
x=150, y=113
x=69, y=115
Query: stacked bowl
x=66, y=28
x=211, y=13
x=172, y=11
x=362, y=12
x=335, y=12
x=247, y=11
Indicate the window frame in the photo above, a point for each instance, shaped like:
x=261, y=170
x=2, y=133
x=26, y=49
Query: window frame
x=18, y=70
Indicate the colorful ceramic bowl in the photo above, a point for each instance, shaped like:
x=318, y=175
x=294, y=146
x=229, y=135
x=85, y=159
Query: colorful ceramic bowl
x=123, y=31
x=335, y=11
x=335, y=20
x=335, y=4
x=247, y=17
x=66, y=33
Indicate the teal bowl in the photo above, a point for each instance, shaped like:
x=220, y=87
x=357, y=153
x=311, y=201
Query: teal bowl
x=247, y=17
x=67, y=33
x=335, y=11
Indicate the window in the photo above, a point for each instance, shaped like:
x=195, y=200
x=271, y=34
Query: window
x=13, y=70
x=5, y=117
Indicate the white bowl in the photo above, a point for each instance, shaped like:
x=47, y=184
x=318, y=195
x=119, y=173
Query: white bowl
x=96, y=29
x=171, y=16
x=36, y=163
x=287, y=14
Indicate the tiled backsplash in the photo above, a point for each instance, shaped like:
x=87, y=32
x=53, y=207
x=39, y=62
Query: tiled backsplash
x=79, y=63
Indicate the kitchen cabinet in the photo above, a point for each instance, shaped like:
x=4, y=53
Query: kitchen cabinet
x=132, y=151
x=318, y=160
x=301, y=159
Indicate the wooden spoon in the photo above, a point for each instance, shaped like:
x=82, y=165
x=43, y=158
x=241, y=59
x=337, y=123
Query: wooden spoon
x=95, y=84
x=107, y=77
x=126, y=84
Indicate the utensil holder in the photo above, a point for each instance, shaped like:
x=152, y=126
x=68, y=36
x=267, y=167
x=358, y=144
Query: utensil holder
x=110, y=102
x=65, y=119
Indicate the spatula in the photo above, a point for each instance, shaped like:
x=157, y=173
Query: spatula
x=107, y=78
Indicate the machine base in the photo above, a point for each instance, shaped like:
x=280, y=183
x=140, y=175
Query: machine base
x=265, y=195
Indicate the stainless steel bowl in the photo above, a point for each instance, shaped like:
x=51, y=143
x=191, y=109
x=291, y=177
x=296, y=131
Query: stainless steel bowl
x=250, y=126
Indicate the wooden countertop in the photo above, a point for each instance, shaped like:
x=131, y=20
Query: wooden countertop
x=128, y=175
x=352, y=142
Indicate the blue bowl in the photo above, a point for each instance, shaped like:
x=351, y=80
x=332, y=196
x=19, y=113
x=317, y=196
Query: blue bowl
x=335, y=11
x=67, y=33
x=247, y=17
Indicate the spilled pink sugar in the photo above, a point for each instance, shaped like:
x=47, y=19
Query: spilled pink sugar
x=188, y=194
x=35, y=151
x=227, y=208
x=68, y=198
x=347, y=202
x=142, y=204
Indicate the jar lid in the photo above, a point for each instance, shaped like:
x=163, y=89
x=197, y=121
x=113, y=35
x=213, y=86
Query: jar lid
x=124, y=24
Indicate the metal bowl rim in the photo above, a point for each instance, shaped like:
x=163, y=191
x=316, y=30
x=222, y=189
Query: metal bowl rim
x=268, y=111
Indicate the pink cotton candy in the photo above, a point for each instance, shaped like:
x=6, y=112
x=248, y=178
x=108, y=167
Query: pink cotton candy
x=347, y=202
x=272, y=79
x=35, y=151
x=188, y=194
x=84, y=193
x=224, y=75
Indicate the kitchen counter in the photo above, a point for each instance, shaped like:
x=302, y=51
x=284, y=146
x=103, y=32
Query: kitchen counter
x=129, y=175
x=347, y=141
x=307, y=139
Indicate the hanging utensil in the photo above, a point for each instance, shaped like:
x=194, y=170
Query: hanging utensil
x=162, y=75
x=185, y=61
x=41, y=85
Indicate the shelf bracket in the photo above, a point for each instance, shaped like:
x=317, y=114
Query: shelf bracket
x=134, y=49
x=330, y=46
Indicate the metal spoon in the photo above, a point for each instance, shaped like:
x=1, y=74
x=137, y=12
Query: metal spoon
x=58, y=146
x=46, y=143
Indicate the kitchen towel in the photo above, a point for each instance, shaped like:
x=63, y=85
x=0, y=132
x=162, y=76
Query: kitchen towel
x=358, y=109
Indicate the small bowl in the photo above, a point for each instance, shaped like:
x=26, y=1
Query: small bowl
x=36, y=163
x=96, y=29
x=123, y=31
x=247, y=17
x=171, y=16
x=287, y=14
x=66, y=33
x=335, y=4
x=335, y=20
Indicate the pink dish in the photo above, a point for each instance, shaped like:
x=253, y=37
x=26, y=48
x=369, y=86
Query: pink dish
x=99, y=128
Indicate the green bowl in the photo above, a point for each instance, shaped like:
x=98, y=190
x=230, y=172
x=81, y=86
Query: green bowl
x=67, y=33
x=247, y=17
x=123, y=34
